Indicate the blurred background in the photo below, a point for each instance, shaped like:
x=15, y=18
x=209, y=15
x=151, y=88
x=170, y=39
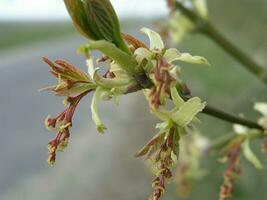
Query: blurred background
x=103, y=166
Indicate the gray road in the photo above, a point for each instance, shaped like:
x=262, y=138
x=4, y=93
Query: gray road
x=94, y=166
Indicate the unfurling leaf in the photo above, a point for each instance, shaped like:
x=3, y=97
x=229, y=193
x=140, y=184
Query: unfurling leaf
x=96, y=20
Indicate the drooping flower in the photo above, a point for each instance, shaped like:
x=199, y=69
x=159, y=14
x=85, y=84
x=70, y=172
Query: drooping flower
x=163, y=149
x=73, y=85
x=232, y=155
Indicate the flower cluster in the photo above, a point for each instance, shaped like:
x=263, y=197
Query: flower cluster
x=73, y=85
x=162, y=151
x=130, y=66
x=156, y=74
x=233, y=170
x=159, y=66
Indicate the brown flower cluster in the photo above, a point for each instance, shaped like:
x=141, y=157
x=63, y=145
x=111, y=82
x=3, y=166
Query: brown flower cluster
x=162, y=151
x=232, y=171
x=73, y=84
x=163, y=81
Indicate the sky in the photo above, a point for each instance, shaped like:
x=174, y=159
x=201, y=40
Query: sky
x=54, y=9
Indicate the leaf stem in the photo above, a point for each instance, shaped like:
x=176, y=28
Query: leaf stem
x=208, y=29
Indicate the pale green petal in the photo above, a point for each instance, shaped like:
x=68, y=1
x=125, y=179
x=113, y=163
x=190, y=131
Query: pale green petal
x=186, y=57
x=188, y=111
x=96, y=98
x=175, y=71
x=91, y=67
x=261, y=107
x=117, y=70
x=239, y=129
x=156, y=42
x=176, y=98
x=163, y=115
x=263, y=122
x=202, y=8
x=172, y=55
x=250, y=156
x=142, y=53
x=164, y=127
x=109, y=83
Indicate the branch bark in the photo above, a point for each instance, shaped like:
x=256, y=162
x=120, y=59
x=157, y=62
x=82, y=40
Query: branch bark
x=214, y=112
x=209, y=30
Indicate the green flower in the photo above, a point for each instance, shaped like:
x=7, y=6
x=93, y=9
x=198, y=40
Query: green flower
x=160, y=67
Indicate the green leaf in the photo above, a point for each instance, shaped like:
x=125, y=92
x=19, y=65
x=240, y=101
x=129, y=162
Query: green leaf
x=97, y=20
x=188, y=111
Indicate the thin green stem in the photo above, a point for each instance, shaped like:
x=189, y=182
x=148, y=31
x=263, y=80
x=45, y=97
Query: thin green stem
x=211, y=111
x=211, y=32
x=231, y=118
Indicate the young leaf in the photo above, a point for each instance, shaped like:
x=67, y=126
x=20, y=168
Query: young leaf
x=96, y=20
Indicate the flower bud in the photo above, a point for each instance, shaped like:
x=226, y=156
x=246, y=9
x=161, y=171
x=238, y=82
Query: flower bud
x=96, y=20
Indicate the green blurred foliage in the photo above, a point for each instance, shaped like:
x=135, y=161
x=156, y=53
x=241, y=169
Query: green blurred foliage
x=15, y=34
x=226, y=84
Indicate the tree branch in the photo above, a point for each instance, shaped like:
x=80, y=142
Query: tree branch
x=231, y=118
x=210, y=31
x=214, y=112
